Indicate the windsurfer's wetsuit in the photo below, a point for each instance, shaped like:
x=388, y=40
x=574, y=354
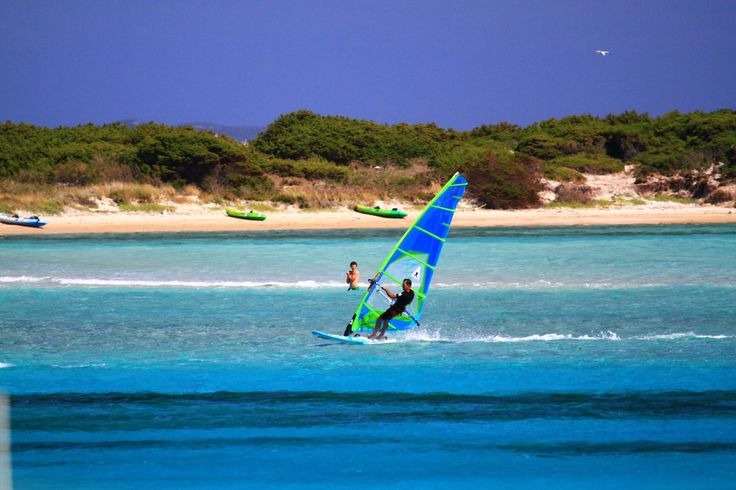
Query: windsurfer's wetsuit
x=402, y=301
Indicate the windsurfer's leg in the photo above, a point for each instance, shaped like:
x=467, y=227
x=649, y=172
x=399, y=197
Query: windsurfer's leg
x=375, y=329
x=383, y=329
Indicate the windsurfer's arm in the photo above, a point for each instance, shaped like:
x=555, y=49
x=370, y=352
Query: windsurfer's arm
x=390, y=294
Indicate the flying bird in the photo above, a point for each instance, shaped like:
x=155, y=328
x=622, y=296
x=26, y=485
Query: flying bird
x=602, y=52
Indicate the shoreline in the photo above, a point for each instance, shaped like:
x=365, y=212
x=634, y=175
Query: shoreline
x=203, y=219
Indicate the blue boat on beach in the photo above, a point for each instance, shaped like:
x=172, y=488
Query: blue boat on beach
x=31, y=221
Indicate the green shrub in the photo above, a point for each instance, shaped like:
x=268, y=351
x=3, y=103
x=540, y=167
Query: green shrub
x=584, y=162
x=145, y=208
x=255, y=188
x=460, y=156
x=303, y=202
x=573, y=193
x=72, y=172
x=563, y=174
x=312, y=169
x=544, y=146
x=51, y=206
x=625, y=144
x=504, y=184
x=120, y=195
x=86, y=154
x=144, y=194
x=284, y=198
x=569, y=204
x=303, y=135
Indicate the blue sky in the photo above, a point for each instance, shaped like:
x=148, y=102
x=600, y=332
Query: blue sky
x=459, y=64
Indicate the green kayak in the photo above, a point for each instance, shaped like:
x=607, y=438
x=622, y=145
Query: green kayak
x=254, y=215
x=383, y=213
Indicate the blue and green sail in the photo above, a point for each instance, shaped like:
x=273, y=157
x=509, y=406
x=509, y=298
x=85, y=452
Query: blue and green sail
x=415, y=257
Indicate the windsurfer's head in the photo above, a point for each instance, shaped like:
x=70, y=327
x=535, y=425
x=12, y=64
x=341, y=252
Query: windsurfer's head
x=406, y=284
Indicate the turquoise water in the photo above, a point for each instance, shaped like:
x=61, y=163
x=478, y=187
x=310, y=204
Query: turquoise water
x=547, y=357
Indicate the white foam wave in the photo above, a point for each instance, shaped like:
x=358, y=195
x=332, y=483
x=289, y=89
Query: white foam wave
x=436, y=336
x=423, y=335
x=685, y=335
x=21, y=279
x=78, y=366
x=308, y=284
x=546, y=285
x=6, y=365
x=541, y=284
x=199, y=284
x=551, y=337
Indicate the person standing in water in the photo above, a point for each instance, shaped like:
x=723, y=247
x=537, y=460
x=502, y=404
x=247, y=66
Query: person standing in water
x=402, y=300
x=352, y=276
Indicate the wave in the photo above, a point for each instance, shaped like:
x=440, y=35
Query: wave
x=576, y=448
x=562, y=448
x=4, y=365
x=542, y=284
x=80, y=366
x=306, y=284
x=98, y=412
x=201, y=284
x=316, y=284
x=677, y=336
x=21, y=279
x=424, y=335
x=428, y=336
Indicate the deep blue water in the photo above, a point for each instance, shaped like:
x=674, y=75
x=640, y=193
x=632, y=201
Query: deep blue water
x=547, y=357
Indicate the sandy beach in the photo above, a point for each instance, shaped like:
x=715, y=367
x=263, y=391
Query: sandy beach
x=208, y=219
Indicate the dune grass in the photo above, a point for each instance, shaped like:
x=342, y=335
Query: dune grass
x=363, y=185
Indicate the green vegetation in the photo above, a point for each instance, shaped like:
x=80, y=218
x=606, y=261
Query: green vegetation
x=675, y=199
x=570, y=205
x=598, y=203
x=340, y=140
x=315, y=161
x=505, y=183
x=145, y=208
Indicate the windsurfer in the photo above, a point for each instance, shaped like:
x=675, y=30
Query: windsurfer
x=352, y=276
x=402, y=300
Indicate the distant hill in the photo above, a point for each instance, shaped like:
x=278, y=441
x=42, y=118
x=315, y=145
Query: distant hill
x=238, y=133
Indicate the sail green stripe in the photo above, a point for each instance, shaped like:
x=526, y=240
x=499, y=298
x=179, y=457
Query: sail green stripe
x=425, y=264
x=429, y=233
x=394, y=279
x=442, y=208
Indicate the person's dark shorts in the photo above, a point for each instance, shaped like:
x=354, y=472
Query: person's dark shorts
x=389, y=314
